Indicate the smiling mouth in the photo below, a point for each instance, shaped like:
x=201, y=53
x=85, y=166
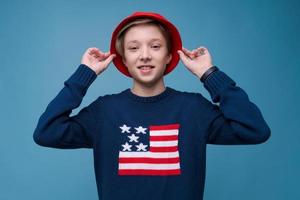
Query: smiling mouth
x=146, y=67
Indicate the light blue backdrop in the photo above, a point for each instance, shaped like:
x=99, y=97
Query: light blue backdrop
x=254, y=42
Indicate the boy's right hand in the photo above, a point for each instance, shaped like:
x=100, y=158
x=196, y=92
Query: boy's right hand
x=97, y=60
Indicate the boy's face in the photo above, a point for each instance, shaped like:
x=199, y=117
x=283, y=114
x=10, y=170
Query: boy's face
x=145, y=53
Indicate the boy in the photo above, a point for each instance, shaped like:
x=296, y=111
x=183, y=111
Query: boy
x=149, y=142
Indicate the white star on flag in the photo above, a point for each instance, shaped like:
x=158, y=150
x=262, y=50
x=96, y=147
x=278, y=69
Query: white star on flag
x=140, y=129
x=133, y=138
x=126, y=147
x=141, y=146
x=125, y=128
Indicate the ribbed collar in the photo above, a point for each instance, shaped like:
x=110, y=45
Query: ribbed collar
x=167, y=92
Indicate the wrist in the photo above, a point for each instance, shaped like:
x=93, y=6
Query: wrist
x=208, y=72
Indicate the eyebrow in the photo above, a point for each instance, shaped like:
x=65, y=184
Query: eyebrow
x=136, y=41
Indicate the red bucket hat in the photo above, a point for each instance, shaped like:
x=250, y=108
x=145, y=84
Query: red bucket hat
x=174, y=33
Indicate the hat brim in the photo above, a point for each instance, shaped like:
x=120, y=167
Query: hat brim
x=175, y=39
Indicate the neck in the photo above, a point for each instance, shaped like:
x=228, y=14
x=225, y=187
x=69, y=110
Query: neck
x=148, y=90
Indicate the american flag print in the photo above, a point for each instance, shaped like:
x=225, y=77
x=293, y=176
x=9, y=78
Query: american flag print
x=158, y=156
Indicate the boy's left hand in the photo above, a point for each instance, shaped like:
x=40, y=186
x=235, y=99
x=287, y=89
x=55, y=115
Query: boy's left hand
x=197, y=61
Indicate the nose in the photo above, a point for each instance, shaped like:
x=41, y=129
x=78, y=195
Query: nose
x=145, y=54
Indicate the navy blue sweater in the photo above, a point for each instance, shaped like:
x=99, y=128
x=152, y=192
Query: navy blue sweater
x=150, y=147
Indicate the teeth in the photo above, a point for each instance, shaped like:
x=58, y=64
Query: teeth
x=146, y=67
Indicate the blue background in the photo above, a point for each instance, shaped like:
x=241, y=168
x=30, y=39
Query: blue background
x=255, y=42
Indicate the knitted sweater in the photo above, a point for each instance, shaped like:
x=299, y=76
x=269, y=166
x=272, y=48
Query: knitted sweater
x=150, y=147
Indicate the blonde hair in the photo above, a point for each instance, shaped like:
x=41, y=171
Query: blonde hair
x=120, y=37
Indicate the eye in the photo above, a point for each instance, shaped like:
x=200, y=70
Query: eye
x=156, y=46
x=133, y=48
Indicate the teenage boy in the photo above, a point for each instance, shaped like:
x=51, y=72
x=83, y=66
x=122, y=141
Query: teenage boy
x=149, y=141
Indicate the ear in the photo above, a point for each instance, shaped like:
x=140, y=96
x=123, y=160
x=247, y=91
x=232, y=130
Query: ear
x=169, y=58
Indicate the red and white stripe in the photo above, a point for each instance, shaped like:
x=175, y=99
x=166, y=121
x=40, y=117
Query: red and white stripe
x=162, y=157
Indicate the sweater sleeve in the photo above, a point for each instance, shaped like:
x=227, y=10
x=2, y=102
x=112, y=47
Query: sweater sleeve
x=55, y=127
x=236, y=120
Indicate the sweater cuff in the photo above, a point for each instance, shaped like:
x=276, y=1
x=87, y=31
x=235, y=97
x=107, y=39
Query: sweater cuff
x=216, y=83
x=83, y=76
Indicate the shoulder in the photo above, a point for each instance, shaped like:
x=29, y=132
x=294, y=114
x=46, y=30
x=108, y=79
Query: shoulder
x=103, y=102
x=198, y=106
x=192, y=97
x=197, y=100
x=109, y=98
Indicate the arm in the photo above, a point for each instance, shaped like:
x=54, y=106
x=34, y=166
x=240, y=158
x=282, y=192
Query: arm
x=236, y=120
x=55, y=127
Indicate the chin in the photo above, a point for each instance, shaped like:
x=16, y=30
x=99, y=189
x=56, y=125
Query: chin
x=147, y=80
x=153, y=78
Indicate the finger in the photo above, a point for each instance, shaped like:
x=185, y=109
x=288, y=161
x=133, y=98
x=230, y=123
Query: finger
x=105, y=55
x=186, y=51
x=93, y=52
x=99, y=54
x=109, y=59
x=92, y=49
x=201, y=49
x=89, y=51
x=185, y=59
x=200, y=52
x=191, y=54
